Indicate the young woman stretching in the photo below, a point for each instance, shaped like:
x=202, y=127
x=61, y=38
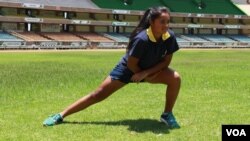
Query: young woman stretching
x=147, y=59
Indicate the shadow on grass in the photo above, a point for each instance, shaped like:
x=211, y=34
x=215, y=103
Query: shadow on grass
x=135, y=125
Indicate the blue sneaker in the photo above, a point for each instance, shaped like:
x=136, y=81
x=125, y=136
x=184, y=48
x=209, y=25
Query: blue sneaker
x=53, y=120
x=169, y=120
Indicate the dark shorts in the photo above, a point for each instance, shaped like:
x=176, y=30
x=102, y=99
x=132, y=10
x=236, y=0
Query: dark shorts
x=122, y=73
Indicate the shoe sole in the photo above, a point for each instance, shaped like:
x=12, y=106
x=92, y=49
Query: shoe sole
x=164, y=121
x=56, y=123
x=45, y=125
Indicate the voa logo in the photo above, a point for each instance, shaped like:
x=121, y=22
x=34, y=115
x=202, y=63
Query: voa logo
x=236, y=132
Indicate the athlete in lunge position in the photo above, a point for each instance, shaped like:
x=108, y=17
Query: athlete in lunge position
x=149, y=53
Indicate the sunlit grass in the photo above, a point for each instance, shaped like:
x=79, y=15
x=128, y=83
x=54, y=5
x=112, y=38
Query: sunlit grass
x=215, y=90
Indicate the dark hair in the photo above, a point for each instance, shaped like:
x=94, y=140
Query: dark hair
x=150, y=15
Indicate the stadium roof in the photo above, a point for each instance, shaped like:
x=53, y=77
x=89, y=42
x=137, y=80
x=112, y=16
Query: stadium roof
x=64, y=3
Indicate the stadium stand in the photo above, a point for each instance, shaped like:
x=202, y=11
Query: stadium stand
x=8, y=11
x=61, y=36
x=126, y=34
x=116, y=37
x=179, y=39
x=9, y=41
x=240, y=1
x=134, y=4
x=193, y=38
x=240, y=38
x=94, y=37
x=182, y=42
x=243, y=5
x=212, y=23
x=4, y=36
x=210, y=6
x=218, y=38
x=184, y=6
x=30, y=36
x=66, y=3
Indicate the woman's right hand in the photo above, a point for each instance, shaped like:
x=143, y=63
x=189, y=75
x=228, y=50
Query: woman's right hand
x=137, y=77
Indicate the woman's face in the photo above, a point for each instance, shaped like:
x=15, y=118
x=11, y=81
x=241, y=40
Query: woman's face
x=161, y=24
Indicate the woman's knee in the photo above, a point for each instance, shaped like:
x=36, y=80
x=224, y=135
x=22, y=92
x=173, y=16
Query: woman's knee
x=174, y=79
x=177, y=78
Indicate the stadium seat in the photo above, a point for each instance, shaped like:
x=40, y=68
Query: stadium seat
x=4, y=36
x=31, y=36
x=193, y=38
x=179, y=39
x=240, y=38
x=116, y=37
x=62, y=36
x=218, y=38
x=94, y=37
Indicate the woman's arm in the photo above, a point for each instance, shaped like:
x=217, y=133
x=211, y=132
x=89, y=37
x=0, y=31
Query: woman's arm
x=141, y=74
x=133, y=64
x=158, y=67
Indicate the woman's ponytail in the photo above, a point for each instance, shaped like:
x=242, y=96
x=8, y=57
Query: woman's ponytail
x=149, y=15
x=143, y=24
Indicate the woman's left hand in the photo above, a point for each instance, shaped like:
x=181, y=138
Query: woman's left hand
x=139, y=76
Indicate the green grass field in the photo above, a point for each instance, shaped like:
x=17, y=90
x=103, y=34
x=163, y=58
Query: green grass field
x=215, y=90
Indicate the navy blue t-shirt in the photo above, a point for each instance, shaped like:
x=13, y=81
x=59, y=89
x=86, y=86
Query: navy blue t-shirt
x=148, y=51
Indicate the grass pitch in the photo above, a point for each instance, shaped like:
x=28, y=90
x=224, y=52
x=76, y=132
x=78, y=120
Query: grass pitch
x=215, y=90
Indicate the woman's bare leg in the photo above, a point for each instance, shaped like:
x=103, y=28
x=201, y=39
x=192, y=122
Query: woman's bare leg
x=173, y=81
x=107, y=87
